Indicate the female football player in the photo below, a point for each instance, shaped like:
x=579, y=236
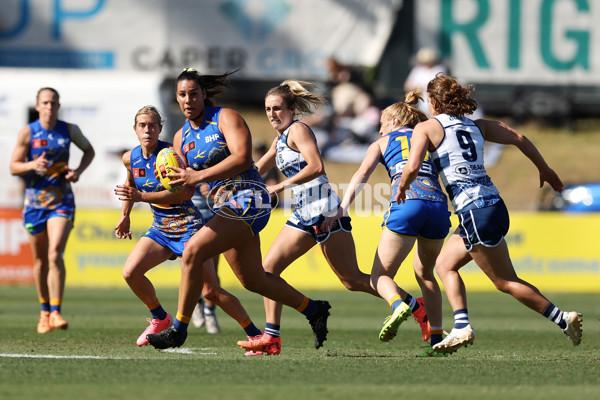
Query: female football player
x=176, y=219
x=41, y=158
x=456, y=147
x=216, y=144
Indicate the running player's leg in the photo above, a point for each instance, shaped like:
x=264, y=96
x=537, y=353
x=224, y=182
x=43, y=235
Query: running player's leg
x=209, y=311
x=424, y=265
x=451, y=259
x=289, y=245
x=245, y=261
x=39, y=249
x=496, y=264
x=213, y=292
x=58, y=229
x=241, y=248
x=391, y=251
x=145, y=255
x=340, y=253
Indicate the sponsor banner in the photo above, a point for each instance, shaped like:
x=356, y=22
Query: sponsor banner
x=555, y=252
x=506, y=41
x=267, y=39
x=16, y=260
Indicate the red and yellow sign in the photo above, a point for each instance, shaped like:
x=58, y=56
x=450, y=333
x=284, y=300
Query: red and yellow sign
x=15, y=253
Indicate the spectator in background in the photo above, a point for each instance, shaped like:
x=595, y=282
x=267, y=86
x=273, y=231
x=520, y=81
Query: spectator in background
x=355, y=119
x=41, y=157
x=427, y=65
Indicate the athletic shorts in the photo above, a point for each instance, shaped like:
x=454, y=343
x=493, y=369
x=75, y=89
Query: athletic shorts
x=486, y=226
x=425, y=218
x=203, y=205
x=35, y=219
x=315, y=230
x=250, y=205
x=176, y=245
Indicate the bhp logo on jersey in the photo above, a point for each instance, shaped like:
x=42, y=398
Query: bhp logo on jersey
x=211, y=138
x=248, y=199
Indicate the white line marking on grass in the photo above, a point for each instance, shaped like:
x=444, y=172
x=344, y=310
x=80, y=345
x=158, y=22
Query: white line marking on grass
x=188, y=350
x=10, y=355
x=185, y=350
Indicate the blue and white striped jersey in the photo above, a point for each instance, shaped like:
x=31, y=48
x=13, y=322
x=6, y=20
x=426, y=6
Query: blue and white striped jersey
x=459, y=160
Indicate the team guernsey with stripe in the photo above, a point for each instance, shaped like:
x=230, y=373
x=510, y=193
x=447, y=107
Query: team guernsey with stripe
x=311, y=199
x=459, y=160
x=172, y=220
x=50, y=190
x=426, y=186
x=245, y=193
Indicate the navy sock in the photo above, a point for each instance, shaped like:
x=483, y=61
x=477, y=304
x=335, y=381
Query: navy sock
x=310, y=309
x=209, y=310
x=412, y=302
x=272, y=329
x=461, y=318
x=158, y=313
x=555, y=315
x=251, y=330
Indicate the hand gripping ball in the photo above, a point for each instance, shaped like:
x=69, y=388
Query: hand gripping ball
x=166, y=159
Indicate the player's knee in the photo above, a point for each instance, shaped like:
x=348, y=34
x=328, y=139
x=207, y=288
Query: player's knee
x=211, y=294
x=374, y=279
x=419, y=274
x=502, y=285
x=54, y=257
x=442, y=267
x=254, y=284
x=128, y=275
x=355, y=284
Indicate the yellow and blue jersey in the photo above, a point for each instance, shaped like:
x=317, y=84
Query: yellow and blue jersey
x=245, y=193
x=426, y=186
x=172, y=220
x=50, y=190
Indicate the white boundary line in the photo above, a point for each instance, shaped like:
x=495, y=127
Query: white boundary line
x=185, y=350
x=16, y=355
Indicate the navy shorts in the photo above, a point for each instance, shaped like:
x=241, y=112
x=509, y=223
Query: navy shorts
x=486, y=226
x=315, y=230
x=425, y=218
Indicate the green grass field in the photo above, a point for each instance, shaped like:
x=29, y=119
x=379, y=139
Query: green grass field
x=517, y=353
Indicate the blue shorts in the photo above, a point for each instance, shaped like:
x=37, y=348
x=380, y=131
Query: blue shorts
x=486, y=226
x=35, y=219
x=425, y=218
x=176, y=245
x=315, y=230
x=250, y=205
